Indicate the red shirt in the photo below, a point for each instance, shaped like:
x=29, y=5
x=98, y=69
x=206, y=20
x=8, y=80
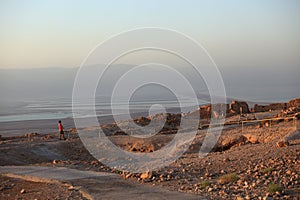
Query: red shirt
x=60, y=127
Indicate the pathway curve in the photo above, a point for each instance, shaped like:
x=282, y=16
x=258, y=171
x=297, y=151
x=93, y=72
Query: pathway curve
x=95, y=185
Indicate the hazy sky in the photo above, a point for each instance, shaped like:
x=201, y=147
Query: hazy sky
x=236, y=33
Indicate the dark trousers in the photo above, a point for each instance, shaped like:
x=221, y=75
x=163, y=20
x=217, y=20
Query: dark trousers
x=61, y=135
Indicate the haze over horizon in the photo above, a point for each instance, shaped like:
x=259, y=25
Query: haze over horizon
x=255, y=44
x=258, y=86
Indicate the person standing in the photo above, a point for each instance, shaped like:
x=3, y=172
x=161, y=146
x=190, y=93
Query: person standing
x=61, y=130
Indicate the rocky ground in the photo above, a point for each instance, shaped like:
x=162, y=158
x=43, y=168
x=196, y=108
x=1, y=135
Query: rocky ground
x=245, y=172
x=245, y=164
x=14, y=188
x=242, y=167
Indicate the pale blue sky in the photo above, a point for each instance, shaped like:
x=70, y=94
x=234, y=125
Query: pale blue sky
x=257, y=33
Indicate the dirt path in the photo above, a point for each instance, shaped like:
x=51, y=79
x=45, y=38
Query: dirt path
x=93, y=185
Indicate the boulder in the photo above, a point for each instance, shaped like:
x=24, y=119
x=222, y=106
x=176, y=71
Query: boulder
x=142, y=121
x=239, y=107
x=294, y=103
x=273, y=106
x=295, y=135
x=252, y=138
x=260, y=108
x=278, y=106
x=230, y=142
x=73, y=130
x=30, y=134
x=146, y=175
x=141, y=147
x=285, y=141
x=215, y=110
x=205, y=111
x=282, y=143
x=48, y=137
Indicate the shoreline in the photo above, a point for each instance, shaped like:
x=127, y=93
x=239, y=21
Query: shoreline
x=46, y=126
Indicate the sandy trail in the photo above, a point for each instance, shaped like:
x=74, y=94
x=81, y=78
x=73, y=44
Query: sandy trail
x=94, y=185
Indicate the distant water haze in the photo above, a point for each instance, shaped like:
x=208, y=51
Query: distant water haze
x=29, y=94
x=270, y=85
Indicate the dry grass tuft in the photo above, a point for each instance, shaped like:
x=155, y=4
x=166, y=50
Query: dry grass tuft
x=205, y=183
x=228, y=178
x=273, y=187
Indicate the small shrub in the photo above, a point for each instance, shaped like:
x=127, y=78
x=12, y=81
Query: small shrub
x=273, y=187
x=205, y=183
x=228, y=178
x=118, y=171
x=267, y=170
